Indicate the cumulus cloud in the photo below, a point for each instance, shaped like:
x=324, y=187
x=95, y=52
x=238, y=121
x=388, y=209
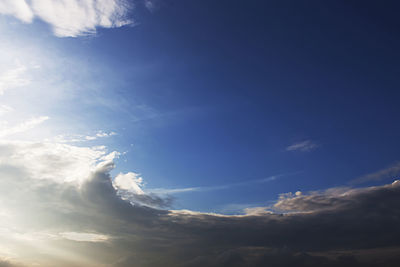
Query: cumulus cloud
x=303, y=146
x=70, y=18
x=55, y=222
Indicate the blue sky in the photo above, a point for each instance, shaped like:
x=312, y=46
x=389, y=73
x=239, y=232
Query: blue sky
x=192, y=109
x=205, y=94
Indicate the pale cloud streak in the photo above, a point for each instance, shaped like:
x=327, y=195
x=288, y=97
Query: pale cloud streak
x=84, y=237
x=79, y=138
x=70, y=18
x=303, y=146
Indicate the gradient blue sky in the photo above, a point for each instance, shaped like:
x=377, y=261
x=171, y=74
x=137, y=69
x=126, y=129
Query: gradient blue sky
x=213, y=98
x=199, y=133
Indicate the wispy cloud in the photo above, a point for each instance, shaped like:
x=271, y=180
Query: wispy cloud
x=22, y=127
x=84, y=237
x=70, y=18
x=149, y=5
x=80, y=138
x=171, y=191
x=392, y=172
x=303, y=146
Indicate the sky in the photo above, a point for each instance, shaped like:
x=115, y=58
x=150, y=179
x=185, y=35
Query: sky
x=199, y=133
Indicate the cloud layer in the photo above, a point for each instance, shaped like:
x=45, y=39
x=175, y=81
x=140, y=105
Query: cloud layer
x=49, y=218
x=70, y=18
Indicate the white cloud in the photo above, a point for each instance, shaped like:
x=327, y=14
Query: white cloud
x=129, y=181
x=303, y=146
x=70, y=18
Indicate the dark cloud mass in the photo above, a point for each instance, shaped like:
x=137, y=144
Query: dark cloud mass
x=337, y=227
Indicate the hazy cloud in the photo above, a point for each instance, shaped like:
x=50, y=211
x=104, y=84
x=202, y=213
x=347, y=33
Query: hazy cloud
x=70, y=18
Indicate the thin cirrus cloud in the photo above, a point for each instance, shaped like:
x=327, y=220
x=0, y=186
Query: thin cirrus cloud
x=303, y=146
x=70, y=18
x=166, y=191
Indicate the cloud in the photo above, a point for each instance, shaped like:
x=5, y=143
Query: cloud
x=151, y=5
x=166, y=191
x=6, y=263
x=303, y=146
x=391, y=172
x=52, y=161
x=78, y=138
x=70, y=18
x=4, y=109
x=54, y=221
x=12, y=77
x=129, y=187
x=84, y=237
x=129, y=181
x=18, y=8
x=24, y=126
